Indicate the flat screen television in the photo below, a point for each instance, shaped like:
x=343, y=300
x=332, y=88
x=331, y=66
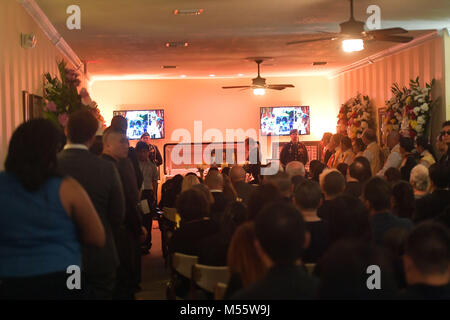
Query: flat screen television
x=140, y=121
x=279, y=121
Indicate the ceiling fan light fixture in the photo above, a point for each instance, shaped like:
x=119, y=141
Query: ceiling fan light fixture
x=259, y=91
x=351, y=45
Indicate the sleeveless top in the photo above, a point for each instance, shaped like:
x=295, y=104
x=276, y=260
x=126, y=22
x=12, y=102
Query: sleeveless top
x=37, y=236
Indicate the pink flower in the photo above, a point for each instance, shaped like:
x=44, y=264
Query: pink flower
x=51, y=106
x=63, y=119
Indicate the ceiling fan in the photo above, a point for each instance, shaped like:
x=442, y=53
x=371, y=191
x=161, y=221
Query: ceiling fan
x=353, y=34
x=259, y=85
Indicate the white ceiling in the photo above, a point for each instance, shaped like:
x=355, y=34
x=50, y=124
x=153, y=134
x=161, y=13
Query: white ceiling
x=123, y=37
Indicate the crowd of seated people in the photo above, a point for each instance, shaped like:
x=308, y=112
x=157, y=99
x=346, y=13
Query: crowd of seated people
x=355, y=208
x=341, y=221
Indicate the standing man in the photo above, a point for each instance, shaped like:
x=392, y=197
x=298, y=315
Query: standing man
x=394, y=159
x=115, y=149
x=101, y=181
x=154, y=156
x=373, y=152
x=294, y=150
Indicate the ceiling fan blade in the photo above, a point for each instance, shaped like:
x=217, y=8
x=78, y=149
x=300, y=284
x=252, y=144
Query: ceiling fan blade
x=386, y=31
x=237, y=87
x=401, y=39
x=311, y=40
x=279, y=86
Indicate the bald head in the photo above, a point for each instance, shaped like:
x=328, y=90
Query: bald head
x=237, y=174
x=214, y=180
x=393, y=139
x=295, y=168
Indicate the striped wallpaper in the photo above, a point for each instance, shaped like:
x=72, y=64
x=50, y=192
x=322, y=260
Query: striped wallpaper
x=425, y=60
x=20, y=69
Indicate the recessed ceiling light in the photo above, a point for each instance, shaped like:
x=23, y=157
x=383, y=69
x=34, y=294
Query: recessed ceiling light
x=183, y=76
x=240, y=75
x=212, y=75
x=175, y=44
x=188, y=12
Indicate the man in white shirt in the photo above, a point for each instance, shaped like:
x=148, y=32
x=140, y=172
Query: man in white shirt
x=394, y=159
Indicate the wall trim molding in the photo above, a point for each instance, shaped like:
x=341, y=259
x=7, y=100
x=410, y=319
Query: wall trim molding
x=386, y=53
x=50, y=31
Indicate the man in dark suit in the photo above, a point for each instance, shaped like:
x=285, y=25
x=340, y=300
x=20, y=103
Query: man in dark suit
x=433, y=204
x=243, y=189
x=115, y=149
x=101, y=181
x=120, y=123
x=281, y=237
x=214, y=182
x=377, y=195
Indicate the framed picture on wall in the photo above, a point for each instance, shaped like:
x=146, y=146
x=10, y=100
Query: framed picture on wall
x=33, y=106
x=381, y=116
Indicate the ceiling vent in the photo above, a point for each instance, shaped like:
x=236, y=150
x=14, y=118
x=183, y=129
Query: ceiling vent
x=169, y=67
x=176, y=44
x=319, y=63
x=187, y=12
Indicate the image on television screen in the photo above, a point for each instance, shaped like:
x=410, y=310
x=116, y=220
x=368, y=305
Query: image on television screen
x=140, y=121
x=279, y=121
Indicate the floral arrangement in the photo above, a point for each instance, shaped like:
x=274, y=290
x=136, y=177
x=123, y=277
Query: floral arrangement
x=417, y=110
x=409, y=109
x=63, y=97
x=394, y=110
x=355, y=116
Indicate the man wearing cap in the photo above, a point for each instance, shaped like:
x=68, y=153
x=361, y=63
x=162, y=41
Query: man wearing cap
x=294, y=150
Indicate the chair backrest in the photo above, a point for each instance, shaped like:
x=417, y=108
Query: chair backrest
x=182, y=264
x=207, y=277
x=220, y=290
x=310, y=267
x=170, y=214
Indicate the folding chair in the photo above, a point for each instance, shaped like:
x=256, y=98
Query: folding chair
x=207, y=277
x=220, y=290
x=181, y=265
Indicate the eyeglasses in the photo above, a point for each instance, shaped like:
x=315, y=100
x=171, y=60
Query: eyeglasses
x=443, y=133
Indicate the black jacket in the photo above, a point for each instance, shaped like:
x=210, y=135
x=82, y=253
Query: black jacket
x=101, y=181
x=294, y=152
x=243, y=190
x=133, y=217
x=281, y=283
x=189, y=238
x=432, y=205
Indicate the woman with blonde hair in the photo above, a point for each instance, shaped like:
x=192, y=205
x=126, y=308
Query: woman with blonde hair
x=189, y=181
x=244, y=262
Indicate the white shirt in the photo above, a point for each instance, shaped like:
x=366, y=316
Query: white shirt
x=394, y=160
x=368, y=153
x=149, y=173
x=76, y=146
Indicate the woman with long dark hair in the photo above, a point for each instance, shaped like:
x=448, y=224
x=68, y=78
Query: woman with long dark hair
x=44, y=217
